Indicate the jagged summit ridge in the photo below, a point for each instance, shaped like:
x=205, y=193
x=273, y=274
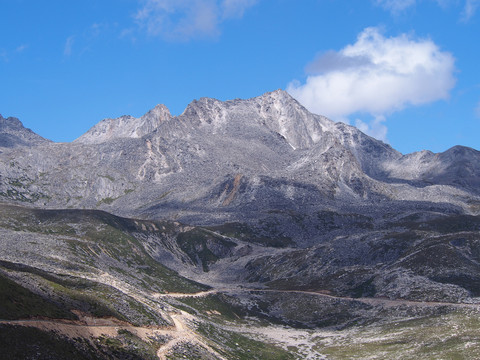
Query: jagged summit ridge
x=126, y=126
x=284, y=115
x=14, y=134
x=234, y=158
x=277, y=111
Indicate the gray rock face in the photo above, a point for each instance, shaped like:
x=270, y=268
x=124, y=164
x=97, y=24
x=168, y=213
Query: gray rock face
x=283, y=197
x=125, y=126
x=264, y=160
x=276, y=111
x=13, y=134
x=458, y=167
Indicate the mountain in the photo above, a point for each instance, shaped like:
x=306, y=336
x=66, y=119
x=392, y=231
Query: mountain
x=458, y=166
x=232, y=211
x=125, y=126
x=13, y=134
x=250, y=161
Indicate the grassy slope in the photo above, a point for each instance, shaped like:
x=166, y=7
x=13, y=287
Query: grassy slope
x=17, y=302
x=90, y=233
x=96, y=238
x=452, y=336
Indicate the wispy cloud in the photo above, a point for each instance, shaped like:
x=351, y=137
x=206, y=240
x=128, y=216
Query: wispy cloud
x=470, y=9
x=376, y=76
x=3, y=55
x=68, y=48
x=395, y=6
x=477, y=110
x=21, y=48
x=375, y=128
x=235, y=8
x=8, y=54
x=128, y=33
x=188, y=19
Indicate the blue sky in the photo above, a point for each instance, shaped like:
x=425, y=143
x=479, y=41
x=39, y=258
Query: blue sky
x=404, y=71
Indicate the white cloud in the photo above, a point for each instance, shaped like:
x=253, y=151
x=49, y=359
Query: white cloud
x=67, y=49
x=477, y=110
x=3, y=55
x=235, y=8
x=470, y=9
x=7, y=55
x=21, y=48
x=376, y=128
x=128, y=33
x=395, y=6
x=376, y=76
x=398, y=6
x=187, y=19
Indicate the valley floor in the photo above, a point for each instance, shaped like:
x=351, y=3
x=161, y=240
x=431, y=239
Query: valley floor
x=455, y=334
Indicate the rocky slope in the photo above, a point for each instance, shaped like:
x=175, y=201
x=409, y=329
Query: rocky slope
x=125, y=126
x=258, y=206
x=14, y=134
x=230, y=161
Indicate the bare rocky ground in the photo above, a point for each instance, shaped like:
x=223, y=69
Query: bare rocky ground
x=104, y=283
x=246, y=229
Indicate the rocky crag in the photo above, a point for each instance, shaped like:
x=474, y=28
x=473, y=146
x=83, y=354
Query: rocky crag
x=247, y=203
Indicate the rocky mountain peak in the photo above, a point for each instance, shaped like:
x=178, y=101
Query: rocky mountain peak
x=157, y=115
x=283, y=114
x=126, y=126
x=205, y=111
x=278, y=95
x=458, y=152
x=278, y=111
x=10, y=123
x=14, y=134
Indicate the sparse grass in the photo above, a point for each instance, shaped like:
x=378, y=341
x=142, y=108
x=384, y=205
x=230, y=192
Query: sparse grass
x=108, y=177
x=92, y=299
x=246, y=233
x=164, y=195
x=49, y=345
x=107, y=201
x=126, y=346
x=71, y=293
x=27, y=197
x=444, y=224
x=214, y=306
x=236, y=346
x=195, y=243
x=452, y=336
x=107, y=235
x=16, y=183
x=186, y=350
x=18, y=302
x=41, y=345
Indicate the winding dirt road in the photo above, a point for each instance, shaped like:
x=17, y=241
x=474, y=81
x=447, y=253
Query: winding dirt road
x=184, y=334
x=370, y=301
x=89, y=327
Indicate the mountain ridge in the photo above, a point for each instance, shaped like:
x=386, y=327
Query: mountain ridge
x=270, y=139
x=160, y=113
x=125, y=126
x=14, y=134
